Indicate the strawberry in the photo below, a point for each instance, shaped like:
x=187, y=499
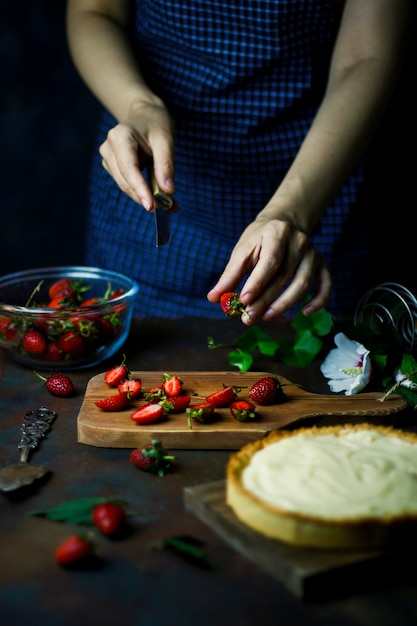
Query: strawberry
x=61, y=301
x=176, y=404
x=118, y=402
x=223, y=397
x=34, y=342
x=58, y=384
x=202, y=412
x=171, y=385
x=108, y=517
x=243, y=410
x=152, y=458
x=63, y=286
x=148, y=413
x=154, y=394
x=132, y=385
x=114, y=376
x=231, y=304
x=72, y=343
x=53, y=352
x=267, y=390
x=73, y=550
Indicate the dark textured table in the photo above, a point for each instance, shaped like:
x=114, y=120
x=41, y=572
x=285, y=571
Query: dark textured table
x=136, y=584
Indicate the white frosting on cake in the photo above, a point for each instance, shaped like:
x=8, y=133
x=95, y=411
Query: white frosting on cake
x=357, y=474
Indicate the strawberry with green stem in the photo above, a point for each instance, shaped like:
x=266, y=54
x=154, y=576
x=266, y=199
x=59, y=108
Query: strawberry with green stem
x=232, y=305
x=152, y=458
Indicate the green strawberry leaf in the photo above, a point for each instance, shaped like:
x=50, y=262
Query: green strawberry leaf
x=240, y=359
x=77, y=511
x=187, y=547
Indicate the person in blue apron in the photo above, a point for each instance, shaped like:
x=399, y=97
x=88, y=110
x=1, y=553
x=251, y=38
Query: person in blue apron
x=256, y=114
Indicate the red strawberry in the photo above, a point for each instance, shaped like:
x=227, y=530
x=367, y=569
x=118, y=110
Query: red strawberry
x=202, y=412
x=73, y=550
x=58, y=384
x=53, y=352
x=4, y=324
x=223, y=397
x=66, y=286
x=118, y=402
x=154, y=394
x=152, y=458
x=231, y=304
x=132, y=385
x=108, y=517
x=176, y=404
x=34, y=342
x=72, y=343
x=267, y=390
x=62, y=301
x=114, y=376
x=243, y=410
x=171, y=385
x=148, y=413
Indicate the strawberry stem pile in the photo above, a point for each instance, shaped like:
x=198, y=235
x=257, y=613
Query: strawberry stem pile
x=72, y=332
x=170, y=396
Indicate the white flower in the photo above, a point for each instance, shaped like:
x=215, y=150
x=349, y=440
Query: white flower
x=348, y=367
x=403, y=380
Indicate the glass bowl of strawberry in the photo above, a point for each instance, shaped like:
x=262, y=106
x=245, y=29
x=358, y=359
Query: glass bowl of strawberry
x=65, y=318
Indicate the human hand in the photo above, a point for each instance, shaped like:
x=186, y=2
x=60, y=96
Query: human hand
x=282, y=266
x=129, y=146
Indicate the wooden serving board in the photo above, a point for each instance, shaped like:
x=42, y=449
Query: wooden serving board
x=117, y=430
x=312, y=574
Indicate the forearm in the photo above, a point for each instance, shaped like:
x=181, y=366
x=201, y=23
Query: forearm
x=361, y=80
x=100, y=50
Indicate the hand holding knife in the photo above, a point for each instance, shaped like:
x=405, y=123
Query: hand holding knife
x=163, y=206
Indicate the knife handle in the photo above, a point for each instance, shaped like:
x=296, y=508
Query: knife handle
x=163, y=199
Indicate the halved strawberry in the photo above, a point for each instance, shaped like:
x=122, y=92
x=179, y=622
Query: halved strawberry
x=114, y=376
x=133, y=386
x=202, y=412
x=243, y=410
x=223, y=397
x=172, y=385
x=176, y=404
x=118, y=402
x=148, y=413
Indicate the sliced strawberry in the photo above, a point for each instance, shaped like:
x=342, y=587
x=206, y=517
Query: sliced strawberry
x=176, y=404
x=202, y=412
x=223, y=397
x=133, y=386
x=114, y=376
x=243, y=410
x=148, y=413
x=118, y=402
x=172, y=385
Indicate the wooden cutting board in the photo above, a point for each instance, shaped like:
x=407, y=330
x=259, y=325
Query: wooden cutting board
x=312, y=574
x=96, y=427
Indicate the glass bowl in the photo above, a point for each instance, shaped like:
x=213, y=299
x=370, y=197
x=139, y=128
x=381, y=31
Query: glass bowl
x=65, y=318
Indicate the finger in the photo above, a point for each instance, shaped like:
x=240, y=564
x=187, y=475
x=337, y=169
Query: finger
x=324, y=288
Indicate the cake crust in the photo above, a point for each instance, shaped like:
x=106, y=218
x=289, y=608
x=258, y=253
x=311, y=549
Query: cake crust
x=309, y=530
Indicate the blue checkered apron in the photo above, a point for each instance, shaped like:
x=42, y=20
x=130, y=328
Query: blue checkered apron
x=242, y=79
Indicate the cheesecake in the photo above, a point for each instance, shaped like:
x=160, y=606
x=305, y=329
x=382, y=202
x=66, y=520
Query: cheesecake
x=346, y=486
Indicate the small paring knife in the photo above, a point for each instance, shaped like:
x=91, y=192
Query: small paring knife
x=163, y=206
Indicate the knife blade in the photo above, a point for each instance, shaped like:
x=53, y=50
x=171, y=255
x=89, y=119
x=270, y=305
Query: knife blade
x=163, y=205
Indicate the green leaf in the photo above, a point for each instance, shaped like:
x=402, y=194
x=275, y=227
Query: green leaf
x=189, y=548
x=77, y=511
x=240, y=359
x=305, y=349
x=320, y=322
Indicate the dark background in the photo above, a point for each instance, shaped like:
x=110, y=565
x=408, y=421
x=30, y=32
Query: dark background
x=48, y=120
